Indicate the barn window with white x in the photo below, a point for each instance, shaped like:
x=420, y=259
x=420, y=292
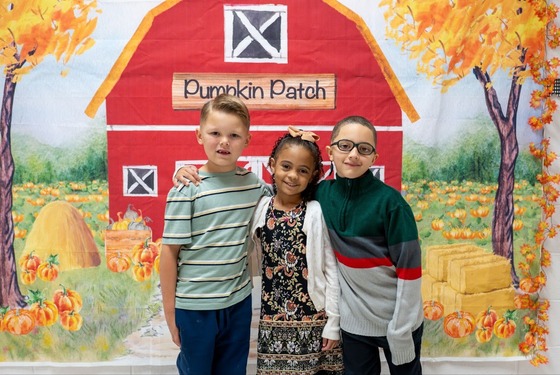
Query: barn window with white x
x=256, y=33
x=140, y=181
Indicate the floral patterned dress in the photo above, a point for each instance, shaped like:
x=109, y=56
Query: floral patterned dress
x=290, y=328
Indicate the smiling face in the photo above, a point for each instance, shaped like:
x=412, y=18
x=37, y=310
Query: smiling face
x=224, y=137
x=293, y=168
x=352, y=164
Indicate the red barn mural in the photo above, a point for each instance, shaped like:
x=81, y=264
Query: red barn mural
x=302, y=63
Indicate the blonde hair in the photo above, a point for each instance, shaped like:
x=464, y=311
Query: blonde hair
x=227, y=104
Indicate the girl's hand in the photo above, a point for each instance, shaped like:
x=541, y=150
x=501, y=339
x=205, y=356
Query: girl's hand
x=329, y=344
x=185, y=175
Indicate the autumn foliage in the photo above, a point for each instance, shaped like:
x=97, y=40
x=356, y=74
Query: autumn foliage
x=33, y=30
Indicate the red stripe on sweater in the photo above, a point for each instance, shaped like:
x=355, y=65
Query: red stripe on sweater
x=363, y=262
x=409, y=273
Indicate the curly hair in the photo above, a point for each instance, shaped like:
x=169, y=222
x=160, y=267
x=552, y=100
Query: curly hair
x=317, y=173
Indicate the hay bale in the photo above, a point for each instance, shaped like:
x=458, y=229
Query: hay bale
x=437, y=257
x=60, y=229
x=431, y=288
x=501, y=300
x=479, y=275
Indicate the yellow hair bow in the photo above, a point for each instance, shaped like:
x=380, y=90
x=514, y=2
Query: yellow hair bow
x=306, y=136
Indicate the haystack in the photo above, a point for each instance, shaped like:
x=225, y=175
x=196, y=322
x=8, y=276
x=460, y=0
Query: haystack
x=60, y=229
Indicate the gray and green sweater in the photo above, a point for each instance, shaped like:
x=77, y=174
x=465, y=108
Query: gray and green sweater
x=375, y=239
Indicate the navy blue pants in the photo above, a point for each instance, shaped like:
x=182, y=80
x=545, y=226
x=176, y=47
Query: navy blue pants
x=361, y=355
x=214, y=342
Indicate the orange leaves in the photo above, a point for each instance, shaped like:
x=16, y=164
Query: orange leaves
x=36, y=29
x=450, y=38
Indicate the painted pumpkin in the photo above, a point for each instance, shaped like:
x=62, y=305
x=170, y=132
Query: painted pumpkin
x=145, y=252
x=48, y=270
x=71, y=320
x=486, y=318
x=505, y=326
x=433, y=310
x=141, y=271
x=19, y=322
x=29, y=261
x=67, y=300
x=28, y=277
x=156, y=264
x=45, y=312
x=119, y=263
x=483, y=334
x=459, y=324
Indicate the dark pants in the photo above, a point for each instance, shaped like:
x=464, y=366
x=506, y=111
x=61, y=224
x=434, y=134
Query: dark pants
x=215, y=341
x=361, y=355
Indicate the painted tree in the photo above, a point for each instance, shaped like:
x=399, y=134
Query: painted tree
x=449, y=40
x=30, y=31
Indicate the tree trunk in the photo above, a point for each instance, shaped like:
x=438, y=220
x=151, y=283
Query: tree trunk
x=502, y=221
x=10, y=294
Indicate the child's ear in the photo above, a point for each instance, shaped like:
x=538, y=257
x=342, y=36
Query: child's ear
x=247, y=140
x=198, y=135
x=329, y=152
x=375, y=156
x=272, y=164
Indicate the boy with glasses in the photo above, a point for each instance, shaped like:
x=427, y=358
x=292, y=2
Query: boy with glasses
x=375, y=239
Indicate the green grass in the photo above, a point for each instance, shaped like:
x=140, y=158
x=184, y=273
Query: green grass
x=114, y=305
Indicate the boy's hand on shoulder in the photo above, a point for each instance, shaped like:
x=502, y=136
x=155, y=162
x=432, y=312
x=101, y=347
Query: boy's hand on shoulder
x=185, y=175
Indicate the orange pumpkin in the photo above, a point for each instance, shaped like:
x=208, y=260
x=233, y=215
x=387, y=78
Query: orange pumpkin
x=145, y=252
x=19, y=322
x=483, y=334
x=29, y=262
x=67, y=300
x=505, y=326
x=459, y=324
x=119, y=262
x=71, y=320
x=45, y=312
x=486, y=318
x=156, y=263
x=438, y=224
x=28, y=277
x=48, y=270
x=3, y=311
x=141, y=271
x=433, y=310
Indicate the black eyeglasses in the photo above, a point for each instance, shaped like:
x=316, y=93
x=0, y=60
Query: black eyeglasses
x=346, y=145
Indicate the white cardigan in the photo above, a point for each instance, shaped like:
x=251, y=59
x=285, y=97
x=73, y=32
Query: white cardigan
x=322, y=280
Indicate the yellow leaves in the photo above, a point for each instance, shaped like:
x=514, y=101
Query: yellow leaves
x=464, y=34
x=37, y=28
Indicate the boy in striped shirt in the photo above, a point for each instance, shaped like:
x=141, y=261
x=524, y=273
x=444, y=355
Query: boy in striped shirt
x=205, y=280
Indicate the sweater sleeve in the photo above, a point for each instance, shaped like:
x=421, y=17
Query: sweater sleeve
x=332, y=328
x=404, y=249
x=323, y=270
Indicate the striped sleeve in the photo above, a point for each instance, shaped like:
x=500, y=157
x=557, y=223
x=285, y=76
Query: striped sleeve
x=403, y=243
x=177, y=228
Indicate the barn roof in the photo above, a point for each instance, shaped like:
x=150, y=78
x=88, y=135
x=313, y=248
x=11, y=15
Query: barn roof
x=121, y=63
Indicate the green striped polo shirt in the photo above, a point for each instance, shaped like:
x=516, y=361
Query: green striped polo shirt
x=211, y=223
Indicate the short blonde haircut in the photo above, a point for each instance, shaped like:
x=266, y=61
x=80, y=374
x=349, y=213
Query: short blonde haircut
x=227, y=104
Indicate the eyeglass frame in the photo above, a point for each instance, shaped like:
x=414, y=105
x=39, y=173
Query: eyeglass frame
x=354, y=145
